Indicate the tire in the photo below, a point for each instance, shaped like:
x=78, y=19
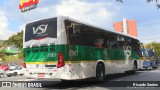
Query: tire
x=155, y=67
x=134, y=70
x=1, y=75
x=21, y=74
x=100, y=72
x=8, y=75
x=15, y=74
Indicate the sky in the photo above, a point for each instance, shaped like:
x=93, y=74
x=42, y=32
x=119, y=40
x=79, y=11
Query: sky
x=101, y=13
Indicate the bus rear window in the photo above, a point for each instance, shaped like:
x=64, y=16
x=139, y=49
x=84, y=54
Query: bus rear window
x=44, y=49
x=35, y=50
x=28, y=51
x=41, y=29
x=52, y=48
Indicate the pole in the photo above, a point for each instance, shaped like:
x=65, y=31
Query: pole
x=28, y=14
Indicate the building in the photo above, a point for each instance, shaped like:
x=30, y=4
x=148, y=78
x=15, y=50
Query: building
x=126, y=26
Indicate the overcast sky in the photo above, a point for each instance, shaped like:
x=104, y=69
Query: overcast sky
x=101, y=13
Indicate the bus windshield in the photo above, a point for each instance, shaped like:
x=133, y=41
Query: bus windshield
x=41, y=29
x=148, y=53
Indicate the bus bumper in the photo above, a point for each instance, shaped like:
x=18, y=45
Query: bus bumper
x=41, y=73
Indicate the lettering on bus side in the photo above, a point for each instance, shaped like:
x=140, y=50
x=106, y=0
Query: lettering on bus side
x=52, y=55
x=127, y=52
x=73, y=53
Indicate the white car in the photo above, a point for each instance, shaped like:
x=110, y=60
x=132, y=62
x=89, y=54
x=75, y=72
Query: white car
x=12, y=66
x=19, y=70
x=1, y=73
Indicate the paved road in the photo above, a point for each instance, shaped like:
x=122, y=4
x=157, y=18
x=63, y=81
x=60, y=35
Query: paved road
x=13, y=78
x=147, y=75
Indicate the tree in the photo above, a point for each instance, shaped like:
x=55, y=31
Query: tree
x=16, y=40
x=3, y=46
x=155, y=46
x=149, y=1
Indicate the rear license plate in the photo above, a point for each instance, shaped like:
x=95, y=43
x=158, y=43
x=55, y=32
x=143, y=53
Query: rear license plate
x=41, y=75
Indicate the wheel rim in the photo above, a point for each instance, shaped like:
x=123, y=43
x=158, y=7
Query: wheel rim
x=101, y=76
x=15, y=73
x=1, y=75
x=100, y=73
x=134, y=68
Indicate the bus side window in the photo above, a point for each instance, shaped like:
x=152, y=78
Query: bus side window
x=106, y=44
x=114, y=44
x=99, y=43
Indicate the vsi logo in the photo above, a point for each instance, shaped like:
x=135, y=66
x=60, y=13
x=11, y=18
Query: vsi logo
x=40, y=29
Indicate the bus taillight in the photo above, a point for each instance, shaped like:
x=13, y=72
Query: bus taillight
x=24, y=65
x=60, y=60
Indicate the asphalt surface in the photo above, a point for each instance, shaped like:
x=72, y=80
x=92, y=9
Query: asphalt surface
x=112, y=82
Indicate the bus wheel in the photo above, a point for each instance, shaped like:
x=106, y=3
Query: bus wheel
x=100, y=72
x=1, y=75
x=134, y=69
x=15, y=74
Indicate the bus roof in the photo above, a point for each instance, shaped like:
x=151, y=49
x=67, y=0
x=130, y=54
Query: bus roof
x=120, y=33
x=104, y=29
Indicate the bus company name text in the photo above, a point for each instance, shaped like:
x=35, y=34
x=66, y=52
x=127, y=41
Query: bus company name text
x=145, y=85
x=22, y=84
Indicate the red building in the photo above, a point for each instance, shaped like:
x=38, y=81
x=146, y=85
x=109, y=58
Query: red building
x=126, y=26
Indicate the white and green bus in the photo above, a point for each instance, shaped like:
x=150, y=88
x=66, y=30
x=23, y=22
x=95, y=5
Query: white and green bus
x=64, y=48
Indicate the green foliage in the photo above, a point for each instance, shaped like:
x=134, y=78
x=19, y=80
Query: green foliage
x=10, y=58
x=3, y=45
x=2, y=56
x=149, y=1
x=20, y=55
x=16, y=40
x=155, y=46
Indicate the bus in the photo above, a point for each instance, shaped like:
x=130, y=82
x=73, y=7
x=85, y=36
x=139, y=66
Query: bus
x=150, y=59
x=67, y=49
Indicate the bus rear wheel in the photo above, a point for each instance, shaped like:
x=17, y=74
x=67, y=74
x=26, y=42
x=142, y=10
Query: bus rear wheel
x=133, y=71
x=100, y=72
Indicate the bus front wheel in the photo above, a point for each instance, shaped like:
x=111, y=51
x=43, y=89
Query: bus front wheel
x=100, y=72
x=134, y=69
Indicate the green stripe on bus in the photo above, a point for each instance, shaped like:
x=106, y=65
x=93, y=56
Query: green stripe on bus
x=71, y=61
x=75, y=53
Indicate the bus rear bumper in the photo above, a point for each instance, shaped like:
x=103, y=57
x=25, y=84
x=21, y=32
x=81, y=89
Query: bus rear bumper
x=41, y=73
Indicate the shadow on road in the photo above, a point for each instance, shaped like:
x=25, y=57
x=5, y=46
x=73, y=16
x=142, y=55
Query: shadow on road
x=82, y=83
